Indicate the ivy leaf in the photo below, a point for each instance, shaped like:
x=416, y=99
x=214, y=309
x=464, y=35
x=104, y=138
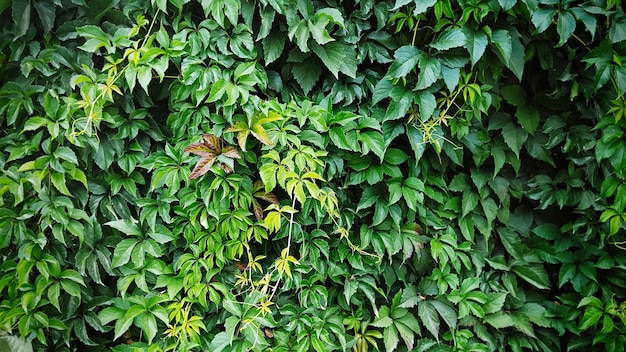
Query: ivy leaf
x=422, y=6
x=475, y=42
x=126, y=227
x=534, y=274
x=427, y=103
x=47, y=13
x=430, y=70
x=429, y=318
x=58, y=180
x=565, y=26
x=617, y=33
x=374, y=141
x=307, y=73
x=507, y=4
x=518, y=55
x=448, y=39
x=514, y=137
x=331, y=55
x=406, y=58
x=210, y=150
x=398, y=108
x=542, y=18
x=469, y=202
x=122, y=252
x=501, y=39
x=528, y=117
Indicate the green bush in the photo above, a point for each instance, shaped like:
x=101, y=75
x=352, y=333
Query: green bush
x=296, y=175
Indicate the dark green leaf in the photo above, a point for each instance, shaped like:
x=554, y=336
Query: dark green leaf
x=565, y=26
x=475, y=42
x=406, y=58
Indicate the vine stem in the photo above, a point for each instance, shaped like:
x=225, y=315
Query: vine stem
x=289, y=236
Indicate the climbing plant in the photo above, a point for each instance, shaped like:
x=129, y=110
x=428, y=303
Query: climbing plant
x=297, y=175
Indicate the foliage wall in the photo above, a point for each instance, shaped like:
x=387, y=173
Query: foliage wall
x=297, y=175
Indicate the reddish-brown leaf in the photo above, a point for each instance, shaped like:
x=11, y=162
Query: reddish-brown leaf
x=212, y=142
x=227, y=169
x=257, y=209
x=202, y=167
x=231, y=152
x=200, y=149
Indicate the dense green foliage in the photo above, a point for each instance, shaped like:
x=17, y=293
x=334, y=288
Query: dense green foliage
x=297, y=175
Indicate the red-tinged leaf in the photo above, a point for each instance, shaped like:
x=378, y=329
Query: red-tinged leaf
x=212, y=142
x=257, y=209
x=231, y=152
x=200, y=149
x=267, y=196
x=227, y=169
x=202, y=167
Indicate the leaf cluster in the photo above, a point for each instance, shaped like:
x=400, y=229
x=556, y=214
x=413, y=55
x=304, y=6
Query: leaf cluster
x=407, y=175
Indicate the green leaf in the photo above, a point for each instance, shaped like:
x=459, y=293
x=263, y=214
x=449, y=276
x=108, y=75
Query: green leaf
x=390, y=338
x=514, y=95
x=534, y=274
x=475, y=42
x=451, y=76
x=617, y=33
x=127, y=227
x=273, y=46
x=499, y=158
x=565, y=26
x=542, y=18
x=502, y=41
x=406, y=58
x=395, y=156
x=518, y=57
x=15, y=344
x=123, y=324
x=448, y=39
x=374, y=141
x=422, y=6
x=514, y=137
x=490, y=208
x=58, y=180
x=507, y=4
x=21, y=17
x=427, y=104
x=429, y=318
x=468, y=202
x=499, y=320
x=398, y=108
x=430, y=71
x=332, y=56
x=307, y=73
x=383, y=320
x=528, y=117
x=122, y=252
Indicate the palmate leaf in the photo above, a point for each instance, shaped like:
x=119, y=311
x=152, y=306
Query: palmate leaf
x=255, y=127
x=210, y=151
